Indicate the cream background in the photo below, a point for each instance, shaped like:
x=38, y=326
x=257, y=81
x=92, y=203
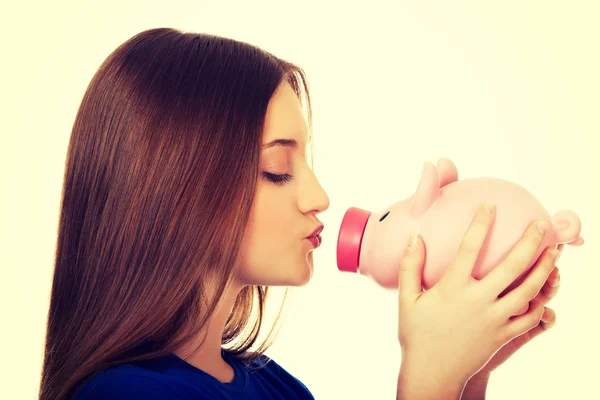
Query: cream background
x=505, y=89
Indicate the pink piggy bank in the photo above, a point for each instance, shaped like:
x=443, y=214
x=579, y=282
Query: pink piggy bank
x=441, y=210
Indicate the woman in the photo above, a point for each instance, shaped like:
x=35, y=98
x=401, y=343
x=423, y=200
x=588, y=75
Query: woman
x=181, y=207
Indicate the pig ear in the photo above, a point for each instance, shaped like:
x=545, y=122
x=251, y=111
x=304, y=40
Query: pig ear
x=427, y=191
x=447, y=172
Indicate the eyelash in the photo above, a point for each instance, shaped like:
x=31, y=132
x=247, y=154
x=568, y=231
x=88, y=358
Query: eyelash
x=278, y=179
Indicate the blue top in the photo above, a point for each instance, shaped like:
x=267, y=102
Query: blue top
x=170, y=378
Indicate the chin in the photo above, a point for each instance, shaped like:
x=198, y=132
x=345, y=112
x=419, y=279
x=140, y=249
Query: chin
x=297, y=274
x=296, y=278
x=304, y=273
x=302, y=280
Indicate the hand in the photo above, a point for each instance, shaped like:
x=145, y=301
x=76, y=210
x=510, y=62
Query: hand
x=548, y=292
x=450, y=332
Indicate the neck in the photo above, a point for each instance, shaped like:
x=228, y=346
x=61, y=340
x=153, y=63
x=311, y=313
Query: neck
x=204, y=352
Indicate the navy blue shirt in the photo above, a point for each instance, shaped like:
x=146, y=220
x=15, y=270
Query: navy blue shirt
x=170, y=378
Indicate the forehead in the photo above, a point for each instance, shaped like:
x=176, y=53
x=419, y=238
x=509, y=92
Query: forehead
x=285, y=124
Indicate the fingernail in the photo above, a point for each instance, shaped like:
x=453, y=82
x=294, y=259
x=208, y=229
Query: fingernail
x=489, y=207
x=542, y=225
x=556, y=280
x=412, y=242
x=554, y=254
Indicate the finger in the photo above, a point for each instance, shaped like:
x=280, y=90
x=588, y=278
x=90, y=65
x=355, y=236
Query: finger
x=409, y=271
x=548, y=319
x=515, y=263
x=516, y=326
x=531, y=285
x=551, y=287
x=461, y=267
x=548, y=291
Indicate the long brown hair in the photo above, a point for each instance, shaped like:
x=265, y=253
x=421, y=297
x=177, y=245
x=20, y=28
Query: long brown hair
x=159, y=180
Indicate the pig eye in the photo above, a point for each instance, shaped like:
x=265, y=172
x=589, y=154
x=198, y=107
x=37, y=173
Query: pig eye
x=383, y=217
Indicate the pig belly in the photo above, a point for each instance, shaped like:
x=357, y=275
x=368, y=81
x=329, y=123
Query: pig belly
x=446, y=222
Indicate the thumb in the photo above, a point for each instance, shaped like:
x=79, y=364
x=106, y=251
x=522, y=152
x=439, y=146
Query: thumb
x=409, y=271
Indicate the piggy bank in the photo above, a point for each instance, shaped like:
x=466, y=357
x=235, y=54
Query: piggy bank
x=441, y=210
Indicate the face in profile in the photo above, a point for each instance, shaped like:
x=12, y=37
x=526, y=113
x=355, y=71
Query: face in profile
x=275, y=251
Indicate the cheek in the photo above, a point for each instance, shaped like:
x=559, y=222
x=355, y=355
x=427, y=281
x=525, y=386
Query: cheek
x=272, y=221
x=281, y=261
x=272, y=251
x=267, y=247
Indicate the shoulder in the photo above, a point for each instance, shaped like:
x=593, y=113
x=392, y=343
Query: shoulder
x=118, y=384
x=273, y=371
x=267, y=364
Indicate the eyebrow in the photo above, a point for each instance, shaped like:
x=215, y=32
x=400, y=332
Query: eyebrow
x=282, y=142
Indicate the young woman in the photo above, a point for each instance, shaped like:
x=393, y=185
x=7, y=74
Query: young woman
x=187, y=194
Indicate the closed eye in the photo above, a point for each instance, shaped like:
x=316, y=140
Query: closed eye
x=278, y=179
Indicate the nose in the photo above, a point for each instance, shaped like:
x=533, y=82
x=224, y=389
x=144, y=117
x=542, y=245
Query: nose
x=312, y=196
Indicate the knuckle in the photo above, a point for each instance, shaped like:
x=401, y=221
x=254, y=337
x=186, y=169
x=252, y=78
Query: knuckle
x=405, y=264
x=548, y=267
x=515, y=266
x=482, y=217
x=530, y=290
x=470, y=245
x=474, y=237
x=531, y=243
x=518, y=260
x=534, y=320
x=522, y=259
x=537, y=311
x=534, y=233
x=551, y=256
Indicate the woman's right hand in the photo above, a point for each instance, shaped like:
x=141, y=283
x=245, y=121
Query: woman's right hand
x=452, y=330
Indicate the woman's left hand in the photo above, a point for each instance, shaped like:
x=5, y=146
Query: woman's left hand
x=546, y=294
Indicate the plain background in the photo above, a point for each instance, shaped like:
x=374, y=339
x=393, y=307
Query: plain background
x=505, y=89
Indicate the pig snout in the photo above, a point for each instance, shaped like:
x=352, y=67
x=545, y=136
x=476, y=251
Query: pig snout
x=567, y=227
